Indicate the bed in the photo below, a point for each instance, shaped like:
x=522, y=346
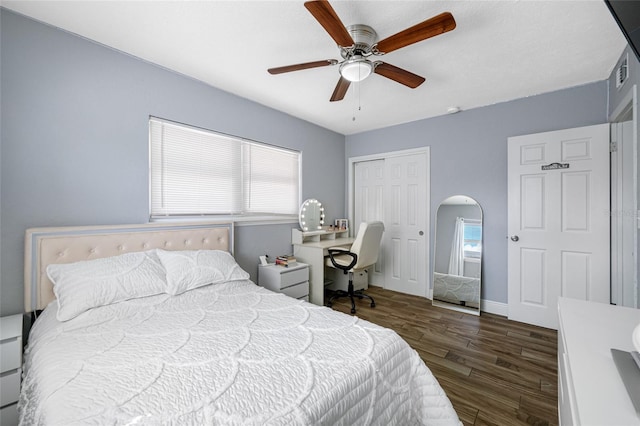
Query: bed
x=222, y=352
x=456, y=289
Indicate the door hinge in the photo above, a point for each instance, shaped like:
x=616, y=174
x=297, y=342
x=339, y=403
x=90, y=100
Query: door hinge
x=613, y=146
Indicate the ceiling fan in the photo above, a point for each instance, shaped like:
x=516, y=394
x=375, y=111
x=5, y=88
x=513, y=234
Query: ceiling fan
x=358, y=42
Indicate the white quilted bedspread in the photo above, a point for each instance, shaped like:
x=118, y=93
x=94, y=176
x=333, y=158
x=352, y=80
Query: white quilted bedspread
x=231, y=353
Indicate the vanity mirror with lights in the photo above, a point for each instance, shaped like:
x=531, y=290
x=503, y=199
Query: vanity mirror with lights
x=458, y=255
x=311, y=215
x=312, y=229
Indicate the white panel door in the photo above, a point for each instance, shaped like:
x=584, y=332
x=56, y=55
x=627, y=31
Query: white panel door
x=369, y=205
x=558, y=221
x=405, y=257
x=623, y=215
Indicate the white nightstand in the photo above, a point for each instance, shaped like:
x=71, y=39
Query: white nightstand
x=292, y=281
x=10, y=368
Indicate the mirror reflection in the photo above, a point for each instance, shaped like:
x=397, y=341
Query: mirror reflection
x=311, y=215
x=458, y=255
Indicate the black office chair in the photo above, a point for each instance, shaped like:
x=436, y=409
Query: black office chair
x=362, y=254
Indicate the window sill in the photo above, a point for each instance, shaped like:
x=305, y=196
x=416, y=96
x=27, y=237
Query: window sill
x=237, y=220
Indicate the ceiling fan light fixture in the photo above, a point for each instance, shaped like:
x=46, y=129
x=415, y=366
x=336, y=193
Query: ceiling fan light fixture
x=356, y=69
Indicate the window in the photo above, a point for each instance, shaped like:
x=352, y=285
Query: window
x=472, y=238
x=197, y=172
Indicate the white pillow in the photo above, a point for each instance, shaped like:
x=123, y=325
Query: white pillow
x=191, y=269
x=87, y=284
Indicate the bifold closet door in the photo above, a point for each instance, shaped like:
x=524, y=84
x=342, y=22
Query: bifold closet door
x=395, y=191
x=369, y=205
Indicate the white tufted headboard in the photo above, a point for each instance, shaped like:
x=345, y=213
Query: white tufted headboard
x=44, y=246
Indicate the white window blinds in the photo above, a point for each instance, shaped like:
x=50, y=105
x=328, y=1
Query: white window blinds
x=199, y=172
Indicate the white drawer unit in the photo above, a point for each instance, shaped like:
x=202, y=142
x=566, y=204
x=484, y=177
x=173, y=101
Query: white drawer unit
x=590, y=389
x=10, y=368
x=292, y=281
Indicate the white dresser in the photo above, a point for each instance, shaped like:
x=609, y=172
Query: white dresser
x=590, y=390
x=10, y=368
x=292, y=281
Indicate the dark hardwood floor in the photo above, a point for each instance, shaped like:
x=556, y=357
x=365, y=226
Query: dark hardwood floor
x=495, y=371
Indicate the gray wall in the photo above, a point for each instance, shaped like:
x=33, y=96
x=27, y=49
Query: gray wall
x=616, y=99
x=74, y=144
x=469, y=156
x=616, y=95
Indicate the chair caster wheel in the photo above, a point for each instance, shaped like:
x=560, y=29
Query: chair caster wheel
x=329, y=304
x=373, y=304
x=353, y=311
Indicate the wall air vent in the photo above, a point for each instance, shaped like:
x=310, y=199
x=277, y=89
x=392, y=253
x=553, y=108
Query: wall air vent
x=622, y=71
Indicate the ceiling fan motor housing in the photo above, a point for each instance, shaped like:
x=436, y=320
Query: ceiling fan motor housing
x=356, y=66
x=364, y=38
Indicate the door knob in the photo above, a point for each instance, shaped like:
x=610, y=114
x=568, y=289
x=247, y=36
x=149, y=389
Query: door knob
x=514, y=238
x=421, y=233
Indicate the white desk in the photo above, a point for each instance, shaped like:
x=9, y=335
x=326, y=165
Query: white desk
x=313, y=253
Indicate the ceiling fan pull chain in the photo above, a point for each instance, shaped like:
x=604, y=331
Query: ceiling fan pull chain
x=359, y=103
x=355, y=101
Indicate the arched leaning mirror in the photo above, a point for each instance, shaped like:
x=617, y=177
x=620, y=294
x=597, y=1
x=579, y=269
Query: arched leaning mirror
x=311, y=215
x=458, y=255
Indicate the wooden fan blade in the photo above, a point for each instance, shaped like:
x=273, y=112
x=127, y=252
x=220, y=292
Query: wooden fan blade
x=340, y=90
x=394, y=73
x=298, y=67
x=431, y=27
x=328, y=18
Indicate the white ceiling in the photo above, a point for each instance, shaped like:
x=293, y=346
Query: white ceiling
x=499, y=51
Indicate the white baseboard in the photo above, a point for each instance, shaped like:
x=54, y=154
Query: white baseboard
x=489, y=306
x=497, y=308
